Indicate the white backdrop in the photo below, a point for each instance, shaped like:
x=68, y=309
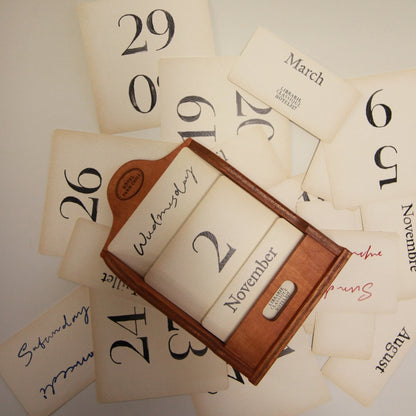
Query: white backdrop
x=45, y=85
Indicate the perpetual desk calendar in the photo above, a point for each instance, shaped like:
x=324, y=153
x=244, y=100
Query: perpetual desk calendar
x=217, y=254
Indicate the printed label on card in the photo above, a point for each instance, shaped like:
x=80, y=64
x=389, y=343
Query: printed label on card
x=80, y=168
x=372, y=157
x=123, y=42
x=395, y=334
x=293, y=84
x=51, y=360
x=296, y=370
x=198, y=101
x=140, y=353
x=397, y=215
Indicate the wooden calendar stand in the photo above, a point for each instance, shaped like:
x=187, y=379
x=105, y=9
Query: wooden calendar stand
x=257, y=342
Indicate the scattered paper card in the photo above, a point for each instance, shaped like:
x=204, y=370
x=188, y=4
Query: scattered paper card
x=80, y=167
x=316, y=181
x=324, y=216
x=371, y=158
x=190, y=272
x=51, y=360
x=296, y=370
x=292, y=83
x=289, y=192
x=197, y=100
x=397, y=215
x=123, y=42
x=368, y=282
x=394, y=337
x=345, y=335
x=252, y=154
x=82, y=262
x=140, y=353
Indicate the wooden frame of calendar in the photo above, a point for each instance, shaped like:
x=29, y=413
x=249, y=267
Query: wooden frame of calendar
x=257, y=342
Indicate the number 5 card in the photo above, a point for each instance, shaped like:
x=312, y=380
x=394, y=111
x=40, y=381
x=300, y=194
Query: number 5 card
x=372, y=156
x=123, y=42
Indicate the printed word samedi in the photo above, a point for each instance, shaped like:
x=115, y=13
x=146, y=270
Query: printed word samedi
x=307, y=72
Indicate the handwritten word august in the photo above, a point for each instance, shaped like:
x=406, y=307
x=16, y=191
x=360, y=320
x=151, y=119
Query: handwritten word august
x=42, y=342
x=367, y=253
x=64, y=373
x=157, y=220
x=364, y=290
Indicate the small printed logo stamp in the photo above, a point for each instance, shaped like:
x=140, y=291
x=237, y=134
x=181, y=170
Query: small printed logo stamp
x=129, y=184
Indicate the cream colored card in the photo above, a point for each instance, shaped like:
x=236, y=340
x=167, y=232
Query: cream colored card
x=80, y=168
x=294, y=84
x=309, y=323
x=162, y=212
x=397, y=215
x=368, y=282
x=252, y=154
x=316, y=181
x=372, y=157
x=198, y=101
x=51, y=360
x=324, y=216
x=252, y=278
x=140, y=353
x=394, y=337
x=82, y=262
x=293, y=385
x=210, y=247
x=345, y=335
x=123, y=42
x=289, y=192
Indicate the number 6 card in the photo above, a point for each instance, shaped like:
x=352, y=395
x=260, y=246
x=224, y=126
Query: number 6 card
x=123, y=42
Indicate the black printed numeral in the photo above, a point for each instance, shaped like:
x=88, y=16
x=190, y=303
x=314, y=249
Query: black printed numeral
x=122, y=320
x=211, y=237
x=386, y=118
x=182, y=355
x=380, y=164
x=152, y=23
x=370, y=110
x=148, y=86
x=80, y=188
x=252, y=121
x=189, y=109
